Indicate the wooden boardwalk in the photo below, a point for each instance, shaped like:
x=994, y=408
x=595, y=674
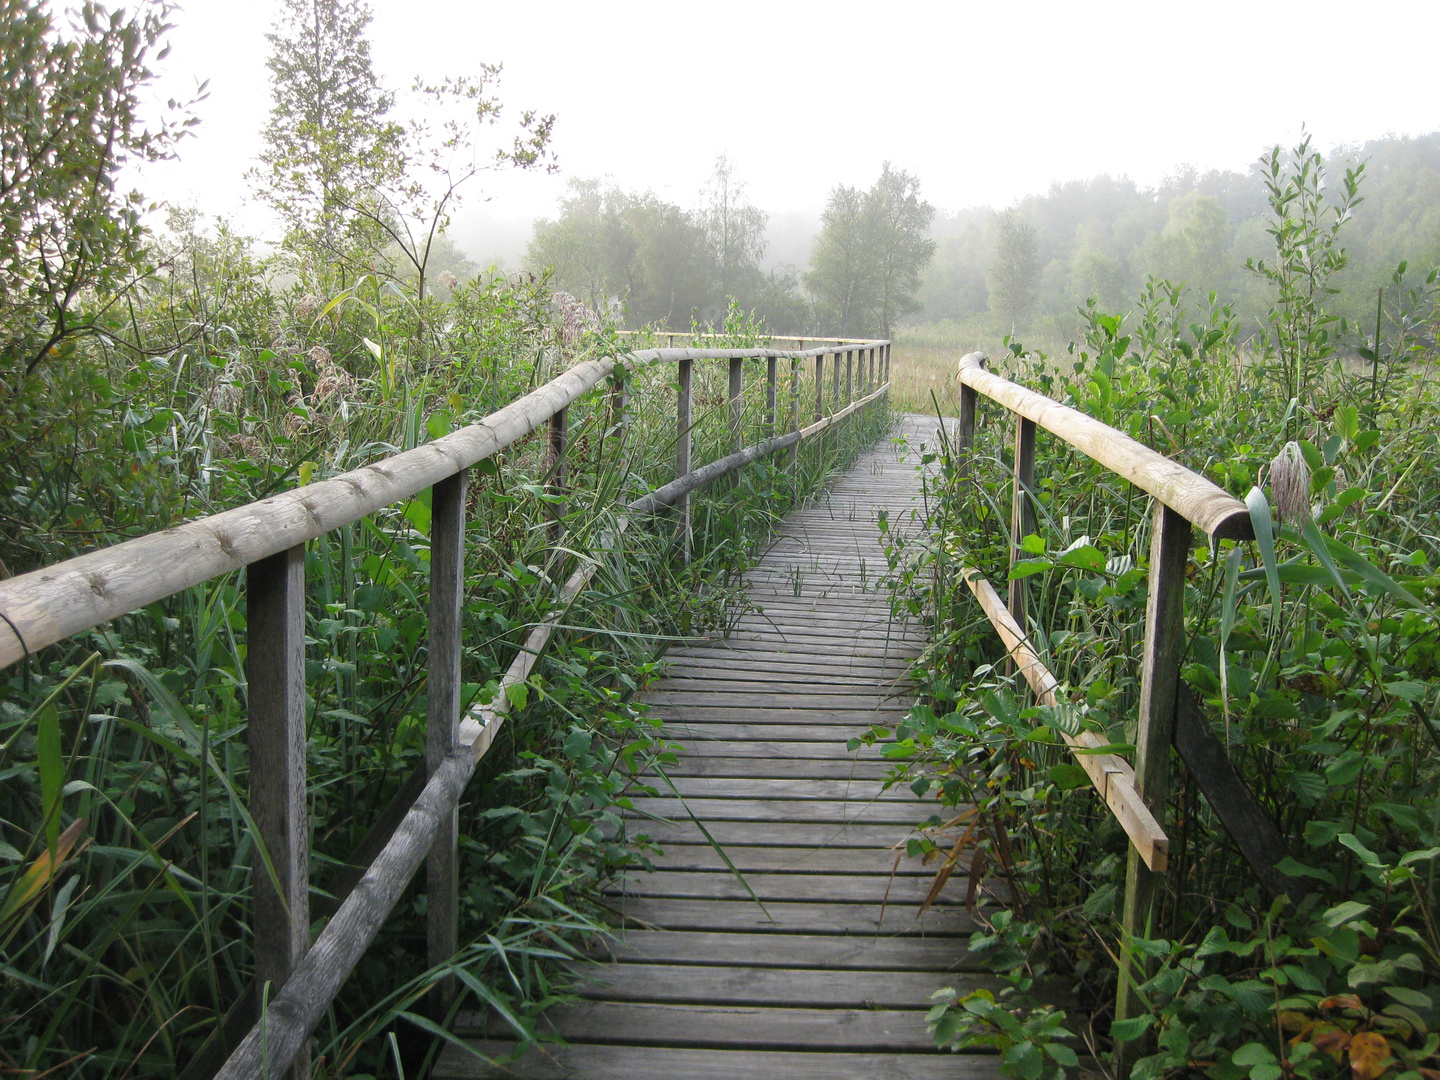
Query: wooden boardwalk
x=820, y=983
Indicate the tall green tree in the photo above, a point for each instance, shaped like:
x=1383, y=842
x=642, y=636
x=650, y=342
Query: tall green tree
x=867, y=261
x=611, y=246
x=734, y=234
x=70, y=239
x=841, y=276
x=901, y=247
x=1014, y=269
x=329, y=138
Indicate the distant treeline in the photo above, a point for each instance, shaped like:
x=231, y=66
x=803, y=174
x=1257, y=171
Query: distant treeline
x=651, y=262
x=1104, y=237
x=1029, y=267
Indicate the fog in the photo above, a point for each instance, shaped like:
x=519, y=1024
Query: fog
x=985, y=103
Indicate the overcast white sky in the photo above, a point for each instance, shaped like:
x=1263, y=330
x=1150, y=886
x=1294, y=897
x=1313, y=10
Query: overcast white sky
x=985, y=102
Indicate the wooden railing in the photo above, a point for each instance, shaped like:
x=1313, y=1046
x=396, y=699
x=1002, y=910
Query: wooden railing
x=295, y=978
x=1184, y=501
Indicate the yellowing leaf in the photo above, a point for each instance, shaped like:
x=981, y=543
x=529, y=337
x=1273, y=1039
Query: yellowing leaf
x=1369, y=1053
x=1341, y=1001
x=40, y=874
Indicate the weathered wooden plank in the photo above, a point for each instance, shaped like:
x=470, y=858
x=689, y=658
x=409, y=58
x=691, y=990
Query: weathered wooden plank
x=850, y=722
x=828, y=951
x=782, y=834
x=700, y=730
x=723, y=1026
x=693, y=764
x=801, y=888
x=733, y=681
x=789, y=788
x=805, y=860
x=590, y=1061
x=758, y=665
x=785, y=752
x=717, y=985
x=794, y=810
x=792, y=917
x=725, y=697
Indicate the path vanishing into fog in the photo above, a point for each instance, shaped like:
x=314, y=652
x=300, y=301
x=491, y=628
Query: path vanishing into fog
x=828, y=976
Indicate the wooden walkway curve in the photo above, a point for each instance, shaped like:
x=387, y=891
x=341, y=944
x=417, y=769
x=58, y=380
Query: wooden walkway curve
x=820, y=983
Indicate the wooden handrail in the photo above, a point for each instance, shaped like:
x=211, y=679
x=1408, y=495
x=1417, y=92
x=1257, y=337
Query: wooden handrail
x=46, y=606
x=1182, y=499
x=51, y=604
x=1217, y=513
x=1112, y=775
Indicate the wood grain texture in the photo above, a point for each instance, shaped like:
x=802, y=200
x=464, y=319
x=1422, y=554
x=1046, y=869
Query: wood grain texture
x=442, y=710
x=275, y=674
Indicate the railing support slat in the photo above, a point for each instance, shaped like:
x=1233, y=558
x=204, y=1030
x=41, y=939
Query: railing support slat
x=620, y=416
x=275, y=674
x=684, y=379
x=819, y=388
x=965, y=432
x=442, y=733
x=559, y=471
x=737, y=402
x=849, y=377
x=771, y=395
x=793, y=458
x=1159, y=682
x=1022, y=511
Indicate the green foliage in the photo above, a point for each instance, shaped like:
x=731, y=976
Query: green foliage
x=70, y=239
x=1305, y=226
x=1313, y=651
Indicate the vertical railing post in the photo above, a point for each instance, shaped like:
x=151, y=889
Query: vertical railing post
x=965, y=431
x=737, y=402
x=849, y=377
x=819, y=387
x=1170, y=539
x=887, y=361
x=1022, y=511
x=771, y=395
x=275, y=675
x=559, y=471
x=683, y=421
x=793, y=458
x=620, y=415
x=835, y=400
x=442, y=718
x=870, y=379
